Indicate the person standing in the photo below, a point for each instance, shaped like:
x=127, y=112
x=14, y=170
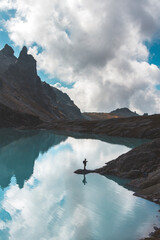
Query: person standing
x=85, y=163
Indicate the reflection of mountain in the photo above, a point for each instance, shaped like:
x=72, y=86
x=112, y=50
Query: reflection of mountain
x=19, y=150
x=120, y=181
x=128, y=142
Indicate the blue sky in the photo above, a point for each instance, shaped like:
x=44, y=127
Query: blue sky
x=153, y=48
x=92, y=50
x=45, y=77
x=5, y=39
x=154, y=54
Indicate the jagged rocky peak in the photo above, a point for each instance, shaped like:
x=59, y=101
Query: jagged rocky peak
x=8, y=51
x=24, y=56
x=27, y=62
x=23, y=52
x=23, y=91
x=6, y=58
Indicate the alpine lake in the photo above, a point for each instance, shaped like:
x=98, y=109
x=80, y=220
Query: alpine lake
x=41, y=198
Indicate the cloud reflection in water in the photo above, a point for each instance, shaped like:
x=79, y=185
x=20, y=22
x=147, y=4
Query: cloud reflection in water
x=54, y=204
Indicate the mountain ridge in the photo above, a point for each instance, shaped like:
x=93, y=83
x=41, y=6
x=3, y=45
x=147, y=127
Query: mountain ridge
x=123, y=112
x=22, y=90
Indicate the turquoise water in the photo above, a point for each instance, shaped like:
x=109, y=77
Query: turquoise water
x=42, y=199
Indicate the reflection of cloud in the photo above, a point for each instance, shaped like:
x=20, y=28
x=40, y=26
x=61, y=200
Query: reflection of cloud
x=60, y=207
x=96, y=152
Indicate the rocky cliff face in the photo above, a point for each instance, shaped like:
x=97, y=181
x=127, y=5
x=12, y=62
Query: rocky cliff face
x=22, y=91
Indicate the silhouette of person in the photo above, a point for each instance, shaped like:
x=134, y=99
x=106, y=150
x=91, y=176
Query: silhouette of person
x=85, y=163
x=84, y=181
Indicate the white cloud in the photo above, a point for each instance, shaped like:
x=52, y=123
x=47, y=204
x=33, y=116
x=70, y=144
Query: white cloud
x=8, y=5
x=104, y=52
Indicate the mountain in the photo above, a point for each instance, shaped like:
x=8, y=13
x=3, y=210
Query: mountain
x=123, y=112
x=24, y=98
x=147, y=127
x=119, y=112
x=98, y=115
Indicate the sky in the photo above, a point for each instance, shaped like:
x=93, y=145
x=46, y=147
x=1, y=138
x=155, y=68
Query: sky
x=103, y=54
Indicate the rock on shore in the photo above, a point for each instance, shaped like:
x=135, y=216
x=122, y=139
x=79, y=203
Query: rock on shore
x=133, y=127
x=142, y=165
x=154, y=235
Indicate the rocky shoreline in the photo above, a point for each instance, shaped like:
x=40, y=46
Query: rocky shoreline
x=133, y=127
x=153, y=235
x=142, y=166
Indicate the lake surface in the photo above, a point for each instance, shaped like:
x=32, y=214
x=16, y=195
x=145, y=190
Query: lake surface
x=42, y=199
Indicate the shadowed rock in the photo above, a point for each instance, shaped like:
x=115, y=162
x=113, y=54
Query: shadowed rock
x=22, y=91
x=7, y=58
x=139, y=162
x=123, y=112
x=84, y=171
x=132, y=127
x=26, y=64
x=8, y=51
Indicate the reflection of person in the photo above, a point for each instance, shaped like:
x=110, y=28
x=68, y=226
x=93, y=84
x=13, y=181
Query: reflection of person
x=84, y=179
x=85, y=163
